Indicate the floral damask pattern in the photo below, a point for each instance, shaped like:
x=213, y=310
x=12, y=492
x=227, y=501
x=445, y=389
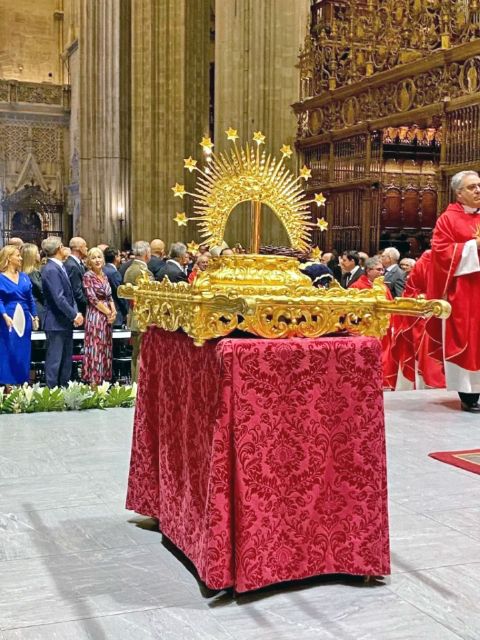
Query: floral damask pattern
x=264, y=460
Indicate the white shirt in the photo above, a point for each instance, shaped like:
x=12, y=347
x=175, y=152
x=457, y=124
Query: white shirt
x=59, y=262
x=176, y=264
x=469, y=262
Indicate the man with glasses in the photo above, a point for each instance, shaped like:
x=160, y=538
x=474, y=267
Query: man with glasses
x=455, y=277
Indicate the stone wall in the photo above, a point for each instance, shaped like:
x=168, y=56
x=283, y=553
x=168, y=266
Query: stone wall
x=31, y=36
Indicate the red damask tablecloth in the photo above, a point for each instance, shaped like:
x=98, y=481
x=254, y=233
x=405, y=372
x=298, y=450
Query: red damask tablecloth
x=263, y=460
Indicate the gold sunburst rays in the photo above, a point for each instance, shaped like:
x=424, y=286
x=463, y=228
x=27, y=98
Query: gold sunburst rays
x=241, y=176
x=247, y=173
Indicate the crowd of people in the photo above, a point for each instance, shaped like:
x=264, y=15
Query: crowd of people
x=61, y=288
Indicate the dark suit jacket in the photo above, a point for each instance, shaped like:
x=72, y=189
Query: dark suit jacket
x=395, y=280
x=359, y=272
x=37, y=291
x=174, y=273
x=115, y=280
x=60, y=305
x=75, y=273
x=122, y=269
x=156, y=265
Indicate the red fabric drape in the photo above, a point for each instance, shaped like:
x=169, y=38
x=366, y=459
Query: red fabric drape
x=417, y=342
x=264, y=460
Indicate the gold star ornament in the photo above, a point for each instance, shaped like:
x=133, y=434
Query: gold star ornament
x=231, y=134
x=207, y=145
x=286, y=150
x=320, y=199
x=181, y=219
x=316, y=254
x=193, y=247
x=178, y=190
x=259, y=138
x=305, y=172
x=322, y=224
x=189, y=163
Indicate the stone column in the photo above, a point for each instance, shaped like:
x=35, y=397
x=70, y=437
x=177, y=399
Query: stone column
x=170, y=101
x=104, y=104
x=256, y=81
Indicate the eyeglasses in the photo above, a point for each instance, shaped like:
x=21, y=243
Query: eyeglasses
x=472, y=187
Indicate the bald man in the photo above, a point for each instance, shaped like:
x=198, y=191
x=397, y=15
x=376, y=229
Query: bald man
x=156, y=264
x=75, y=269
x=16, y=242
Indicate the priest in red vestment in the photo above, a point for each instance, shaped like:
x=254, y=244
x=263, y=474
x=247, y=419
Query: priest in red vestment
x=455, y=276
x=417, y=345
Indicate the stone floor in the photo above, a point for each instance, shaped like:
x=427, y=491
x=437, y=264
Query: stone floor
x=75, y=565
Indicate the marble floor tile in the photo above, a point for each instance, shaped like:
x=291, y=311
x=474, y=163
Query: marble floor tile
x=328, y=611
x=34, y=534
x=75, y=564
x=32, y=462
x=418, y=542
x=449, y=595
x=49, y=492
x=465, y=520
x=172, y=623
x=89, y=584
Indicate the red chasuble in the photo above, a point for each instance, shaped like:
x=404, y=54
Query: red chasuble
x=462, y=331
x=389, y=367
x=417, y=342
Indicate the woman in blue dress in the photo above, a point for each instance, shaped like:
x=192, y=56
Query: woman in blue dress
x=17, y=313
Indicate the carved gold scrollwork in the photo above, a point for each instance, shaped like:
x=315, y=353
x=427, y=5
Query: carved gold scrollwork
x=267, y=296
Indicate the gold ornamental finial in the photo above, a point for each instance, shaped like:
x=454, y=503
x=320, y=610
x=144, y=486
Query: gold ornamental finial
x=231, y=134
x=322, y=224
x=207, y=144
x=190, y=164
x=193, y=247
x=181, y=219
x=178, y=190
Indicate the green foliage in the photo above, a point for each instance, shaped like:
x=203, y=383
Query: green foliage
x=48, y=399
x=12, y=402
x=92, y=400
x=77, y=396
x=120, y=396
x=74, y=395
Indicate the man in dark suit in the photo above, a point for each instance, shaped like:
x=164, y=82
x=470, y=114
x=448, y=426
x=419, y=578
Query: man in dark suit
x=395, y=277
x=75, y=269
x=110, y=269
x=156, y=264
x=176, y=264
x=61, y=314
x=351, y=269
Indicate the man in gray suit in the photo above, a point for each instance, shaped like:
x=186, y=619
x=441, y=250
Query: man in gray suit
x=395, y=277
x=138, y=267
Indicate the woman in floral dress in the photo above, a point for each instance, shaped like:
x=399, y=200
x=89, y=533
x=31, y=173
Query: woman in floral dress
x=101, y=313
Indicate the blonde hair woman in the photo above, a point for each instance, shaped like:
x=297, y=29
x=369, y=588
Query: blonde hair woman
x=101, y=313
x=17, y=313
x=31, y=266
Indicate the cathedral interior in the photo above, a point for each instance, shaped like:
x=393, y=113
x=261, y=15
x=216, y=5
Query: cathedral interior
x=101, y=102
